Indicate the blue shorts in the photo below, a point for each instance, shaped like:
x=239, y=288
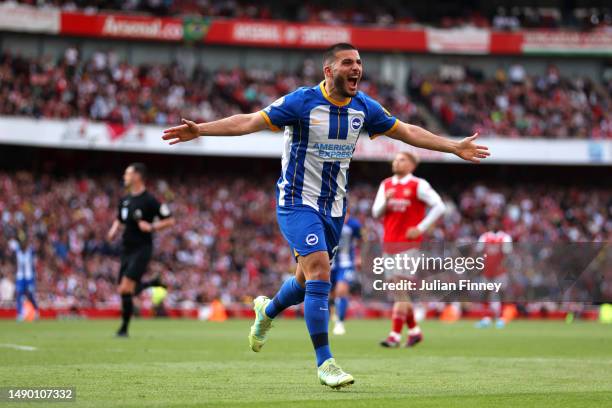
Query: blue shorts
x=24, y=286
x=342, y=275
x=307, y=231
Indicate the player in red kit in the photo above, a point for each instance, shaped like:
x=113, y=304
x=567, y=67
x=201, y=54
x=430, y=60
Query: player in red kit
x=495, y=245
x=402, y=202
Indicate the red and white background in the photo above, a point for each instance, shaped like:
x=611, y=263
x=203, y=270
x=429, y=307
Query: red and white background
x=290, y=35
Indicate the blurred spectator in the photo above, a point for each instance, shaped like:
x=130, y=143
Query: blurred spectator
x=384, y=13
x=226, y=243
x=516, y=104
x=105, y=89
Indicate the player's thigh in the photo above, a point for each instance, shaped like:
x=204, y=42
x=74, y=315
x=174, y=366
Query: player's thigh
x=303, y=228
x=31, y=288
x=299, y=275
x=315, y=265
x=125, y=263
x=139, y=261
x=20, y=287
x=127, y=285
x=402, y=306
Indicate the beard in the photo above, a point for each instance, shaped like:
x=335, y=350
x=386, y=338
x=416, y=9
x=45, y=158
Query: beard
x=340, y=86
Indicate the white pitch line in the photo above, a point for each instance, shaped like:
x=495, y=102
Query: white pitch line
x=18, y=347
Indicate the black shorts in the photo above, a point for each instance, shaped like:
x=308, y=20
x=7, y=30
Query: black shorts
x=134, y=262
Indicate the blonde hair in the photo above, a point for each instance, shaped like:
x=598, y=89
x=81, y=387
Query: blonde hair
x=412, y=157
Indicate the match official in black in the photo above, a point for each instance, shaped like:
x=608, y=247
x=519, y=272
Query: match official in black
x=141, y=214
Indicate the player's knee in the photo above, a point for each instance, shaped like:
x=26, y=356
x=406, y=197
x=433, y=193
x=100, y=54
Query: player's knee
x=342, y=289
x=317, y=270
x=126, y=288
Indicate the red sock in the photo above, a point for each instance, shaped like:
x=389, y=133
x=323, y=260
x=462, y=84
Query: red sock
x=397, y=323
x=410, y=320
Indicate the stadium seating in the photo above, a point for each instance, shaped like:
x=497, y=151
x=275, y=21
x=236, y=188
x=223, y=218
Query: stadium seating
x=104, y=88
x=226, y=243
x=385, y=13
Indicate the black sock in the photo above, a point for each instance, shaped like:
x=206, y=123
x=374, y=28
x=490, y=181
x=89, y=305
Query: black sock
x=127, y=306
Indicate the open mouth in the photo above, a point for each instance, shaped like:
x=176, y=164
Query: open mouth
x=352, y=81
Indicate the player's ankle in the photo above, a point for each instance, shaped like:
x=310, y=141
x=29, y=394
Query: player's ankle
x=415, y=331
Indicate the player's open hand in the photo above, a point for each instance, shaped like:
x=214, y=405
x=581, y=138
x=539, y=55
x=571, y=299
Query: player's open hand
x=468, y=150
x=413, y=233
x=187, y=131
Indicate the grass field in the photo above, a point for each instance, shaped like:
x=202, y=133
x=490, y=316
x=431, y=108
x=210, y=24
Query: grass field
x=194, y=364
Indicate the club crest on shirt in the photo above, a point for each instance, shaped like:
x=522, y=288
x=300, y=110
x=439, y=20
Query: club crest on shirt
x=356, y=123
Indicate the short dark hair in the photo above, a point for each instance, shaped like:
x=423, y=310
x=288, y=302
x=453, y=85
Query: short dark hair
x=140, y=168
x=330, y=53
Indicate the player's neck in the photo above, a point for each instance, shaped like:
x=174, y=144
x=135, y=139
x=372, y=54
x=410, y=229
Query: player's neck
x=332, y=93
x=137, y=190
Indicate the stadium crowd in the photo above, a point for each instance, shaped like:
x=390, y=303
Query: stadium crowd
x=515, y=104
x=104, y=88
x=226, y=243
x=384, y=13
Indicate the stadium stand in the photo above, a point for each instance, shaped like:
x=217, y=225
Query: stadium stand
x=104, y=88
x=226, y=244
x=386, y=13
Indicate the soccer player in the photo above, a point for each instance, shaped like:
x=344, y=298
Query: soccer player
x=25, y=277
x=138, y=212
x=402, y=201
x=321, y=127
x=495, y=245
x=343, y=270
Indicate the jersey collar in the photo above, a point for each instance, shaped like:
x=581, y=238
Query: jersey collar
x=404, y=180
x=344, y=102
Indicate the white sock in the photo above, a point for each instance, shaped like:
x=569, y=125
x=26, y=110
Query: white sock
x=416, y=330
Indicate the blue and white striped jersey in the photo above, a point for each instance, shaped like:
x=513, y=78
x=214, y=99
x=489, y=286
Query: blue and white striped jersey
x=320, y=138
x=25, y=264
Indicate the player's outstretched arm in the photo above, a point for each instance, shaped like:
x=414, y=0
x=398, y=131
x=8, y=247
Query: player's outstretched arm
x=236, y=125
x=466, y=148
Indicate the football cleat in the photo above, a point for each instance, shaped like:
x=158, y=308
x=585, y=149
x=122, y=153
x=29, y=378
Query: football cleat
x=390, y=342
x=339, y=329
x=484, y=323
x=331, y=374
x=414, y=340
x=259, y=329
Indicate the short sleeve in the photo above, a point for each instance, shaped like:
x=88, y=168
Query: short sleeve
x=285, y=111
x=162, y=210
x=378, y=120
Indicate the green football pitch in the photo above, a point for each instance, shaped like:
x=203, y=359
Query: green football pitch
x=174, y=363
